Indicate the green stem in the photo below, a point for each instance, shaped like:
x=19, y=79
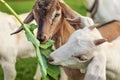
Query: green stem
x=40, y=59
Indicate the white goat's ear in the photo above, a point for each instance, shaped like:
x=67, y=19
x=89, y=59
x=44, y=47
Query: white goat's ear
x=93, y=26
x=99, y=41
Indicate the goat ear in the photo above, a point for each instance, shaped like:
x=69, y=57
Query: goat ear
x=93, y=26
x=67, y=11
x=99, y=41
x=74, y=21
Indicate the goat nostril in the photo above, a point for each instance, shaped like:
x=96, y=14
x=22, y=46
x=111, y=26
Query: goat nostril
x=50, y=59
x=42, y=38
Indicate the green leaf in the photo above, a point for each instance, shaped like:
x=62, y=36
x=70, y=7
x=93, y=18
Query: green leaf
x=46, y=45
x=32, y=27
x=46, y=78
x=53, y=71
x=46, y=52
x=30, y=35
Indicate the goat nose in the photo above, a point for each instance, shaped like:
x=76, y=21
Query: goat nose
x=42, y=38
x=50, y=59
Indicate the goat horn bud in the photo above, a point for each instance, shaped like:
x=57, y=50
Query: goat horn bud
x=99, y=41
x=93, y=26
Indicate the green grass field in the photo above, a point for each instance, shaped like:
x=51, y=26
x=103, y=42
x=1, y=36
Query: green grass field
x=26, y=67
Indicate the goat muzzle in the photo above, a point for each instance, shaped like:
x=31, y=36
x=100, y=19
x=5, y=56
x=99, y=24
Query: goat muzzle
x=42, y=38
x=50, y=59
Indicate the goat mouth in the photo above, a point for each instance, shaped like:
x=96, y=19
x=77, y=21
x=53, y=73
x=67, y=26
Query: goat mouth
x=43, y=39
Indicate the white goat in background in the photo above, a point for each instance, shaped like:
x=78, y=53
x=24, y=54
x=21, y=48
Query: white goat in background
x=12, y=47
x=104, y=10
x=88, y=51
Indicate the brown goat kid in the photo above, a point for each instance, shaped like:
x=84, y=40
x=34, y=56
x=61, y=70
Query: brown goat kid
x=53, y=24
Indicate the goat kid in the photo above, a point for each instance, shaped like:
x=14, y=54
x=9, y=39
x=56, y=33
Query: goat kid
x=88, y=51
x=12, y=47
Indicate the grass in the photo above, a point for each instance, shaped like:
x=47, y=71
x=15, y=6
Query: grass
x=77, y=5
x=18, y=6
x=26, y=67
x=22, y=6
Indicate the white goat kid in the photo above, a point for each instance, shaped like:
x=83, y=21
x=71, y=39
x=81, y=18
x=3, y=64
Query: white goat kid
x=104, y=10
x=12, y=47
x=86, y=50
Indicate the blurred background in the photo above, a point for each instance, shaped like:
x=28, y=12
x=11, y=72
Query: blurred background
x=22, y=6
x=26, y=68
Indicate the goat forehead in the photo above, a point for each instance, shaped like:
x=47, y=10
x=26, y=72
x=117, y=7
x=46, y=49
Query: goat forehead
x=84, y=37
x=78, y=34
x=43, y=11
x=45, y=3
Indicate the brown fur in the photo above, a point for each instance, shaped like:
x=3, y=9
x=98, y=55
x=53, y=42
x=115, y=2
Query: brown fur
x=63, y=33
x=18, y=39
x=110, y=31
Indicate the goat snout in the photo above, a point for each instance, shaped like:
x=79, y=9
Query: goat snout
x=50, y=59
x=42, y=38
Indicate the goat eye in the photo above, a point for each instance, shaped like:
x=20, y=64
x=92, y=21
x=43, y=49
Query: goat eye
x=56, y=15
x=81, y=58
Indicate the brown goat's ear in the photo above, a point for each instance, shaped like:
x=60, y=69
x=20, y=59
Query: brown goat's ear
x=74, y=21
x=67, y=11
x=93, y=26
x=99, y=41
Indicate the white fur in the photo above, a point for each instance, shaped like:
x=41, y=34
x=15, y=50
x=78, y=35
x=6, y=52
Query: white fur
x=12, y=46
x=86, y=21
x=107, y=10
x=100, y=60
